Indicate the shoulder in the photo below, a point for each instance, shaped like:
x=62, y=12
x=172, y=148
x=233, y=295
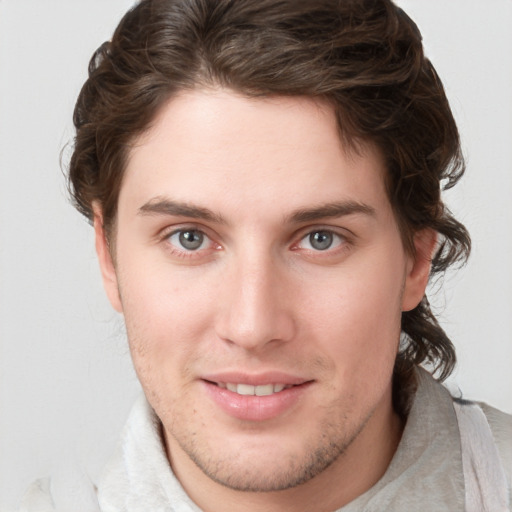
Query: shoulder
x=501, y=428
x=38, y=497
x=65, y=490
x=486, y=440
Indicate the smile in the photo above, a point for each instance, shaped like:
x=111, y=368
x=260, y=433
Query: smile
x=256, y=398
x=248, y=389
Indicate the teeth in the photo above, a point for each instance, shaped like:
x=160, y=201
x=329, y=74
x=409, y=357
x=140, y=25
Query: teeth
x=266, y=390
x=247, y=389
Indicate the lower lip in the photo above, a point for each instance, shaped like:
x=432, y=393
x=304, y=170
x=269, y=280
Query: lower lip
x=255, y=408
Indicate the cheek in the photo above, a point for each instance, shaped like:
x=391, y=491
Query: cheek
x=167, y=316
x=358, y=319
x=158, y=295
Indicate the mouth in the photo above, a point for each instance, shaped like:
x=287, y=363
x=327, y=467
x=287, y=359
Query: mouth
x=256, y=398
x=250, y=390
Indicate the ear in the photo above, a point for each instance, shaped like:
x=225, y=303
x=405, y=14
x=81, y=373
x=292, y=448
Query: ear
x=107, y=267
x=418, y=270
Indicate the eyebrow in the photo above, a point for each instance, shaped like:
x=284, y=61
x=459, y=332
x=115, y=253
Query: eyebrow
x=163, y=206
x=332, y=210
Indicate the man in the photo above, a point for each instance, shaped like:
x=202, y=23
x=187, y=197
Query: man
x=264, y=182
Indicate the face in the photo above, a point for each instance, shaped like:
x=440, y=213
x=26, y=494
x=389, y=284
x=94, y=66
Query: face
x=262, y=277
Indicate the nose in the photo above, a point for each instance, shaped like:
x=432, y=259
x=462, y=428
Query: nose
x=255, y=308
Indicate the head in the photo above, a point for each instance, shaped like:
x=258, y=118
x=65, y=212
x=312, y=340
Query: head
x=359, y=63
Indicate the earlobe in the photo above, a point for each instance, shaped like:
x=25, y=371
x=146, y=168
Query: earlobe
x=425, y=243
x=107, y=267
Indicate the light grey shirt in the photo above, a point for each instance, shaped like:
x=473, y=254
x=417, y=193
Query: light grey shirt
x=426, y=472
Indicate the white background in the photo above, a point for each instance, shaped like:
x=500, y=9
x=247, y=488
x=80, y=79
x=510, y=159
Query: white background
x=66, y=382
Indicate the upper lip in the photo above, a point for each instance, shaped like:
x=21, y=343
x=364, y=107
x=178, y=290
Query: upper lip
x=255, y=379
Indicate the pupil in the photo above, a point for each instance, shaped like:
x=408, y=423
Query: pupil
x=191, y=240
x=320, y=240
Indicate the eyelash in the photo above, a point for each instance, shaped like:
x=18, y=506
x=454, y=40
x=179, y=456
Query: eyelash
x=343, y=242
x=183, y=252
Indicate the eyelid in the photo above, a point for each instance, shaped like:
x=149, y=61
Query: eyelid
x=345, y=244
x=204, y=239
x=337, y=239
x=165, y=234
x=337, y=230
x=167, y=231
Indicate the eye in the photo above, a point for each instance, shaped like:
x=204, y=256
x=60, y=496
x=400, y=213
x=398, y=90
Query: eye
x=321, y=240
x=189, y=239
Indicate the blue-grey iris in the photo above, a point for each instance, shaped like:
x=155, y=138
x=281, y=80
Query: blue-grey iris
x=191, y=240
x=321, y=240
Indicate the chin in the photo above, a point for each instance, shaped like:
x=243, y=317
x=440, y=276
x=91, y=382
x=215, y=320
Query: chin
x=261, y=463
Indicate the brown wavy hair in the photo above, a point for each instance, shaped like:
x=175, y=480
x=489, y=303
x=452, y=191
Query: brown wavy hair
x=364, y=57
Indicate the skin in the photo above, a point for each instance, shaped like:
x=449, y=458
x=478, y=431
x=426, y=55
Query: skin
x=258, y=295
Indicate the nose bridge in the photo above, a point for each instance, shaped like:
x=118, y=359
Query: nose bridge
x=256, y=310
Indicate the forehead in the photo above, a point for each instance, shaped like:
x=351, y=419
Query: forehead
x=215, y=146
